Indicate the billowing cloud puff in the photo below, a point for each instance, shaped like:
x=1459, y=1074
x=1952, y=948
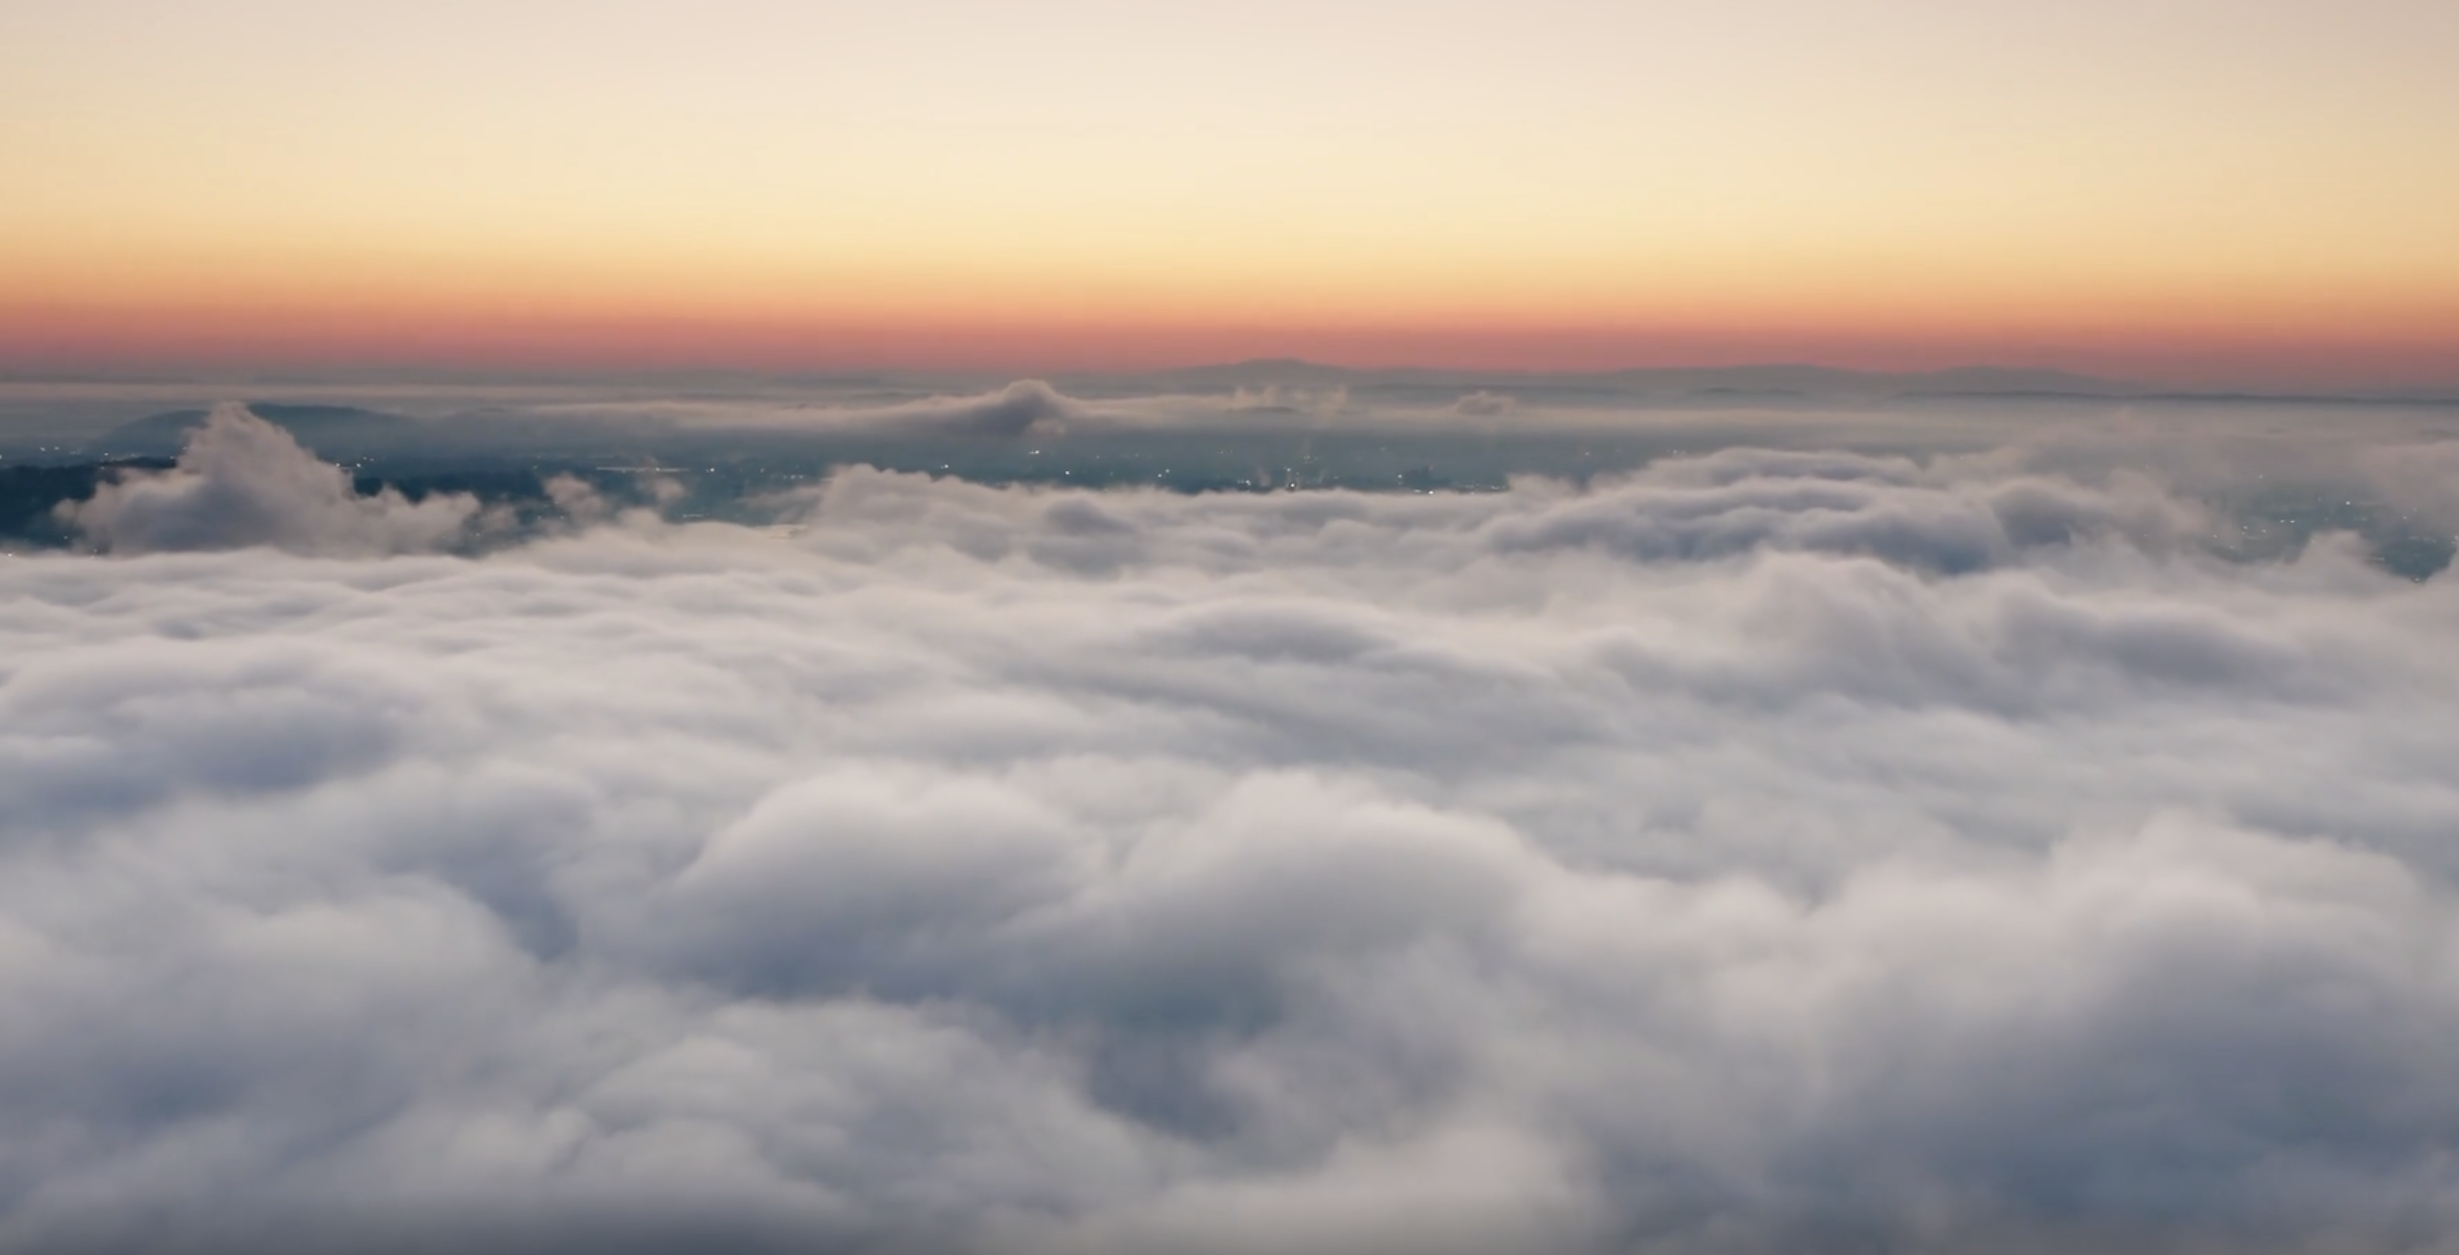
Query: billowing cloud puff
x=1482, y=404
x=1027, y=406
x=1766, y=852
x=1320, y=402
x=243, y=481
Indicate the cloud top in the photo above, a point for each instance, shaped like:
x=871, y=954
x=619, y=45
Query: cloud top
x=1484, y=404
x=1764, y=852
x=242, y=481
x=1027, y=406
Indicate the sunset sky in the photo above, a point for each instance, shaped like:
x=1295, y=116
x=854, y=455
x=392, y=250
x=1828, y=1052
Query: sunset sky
x=2243, y=192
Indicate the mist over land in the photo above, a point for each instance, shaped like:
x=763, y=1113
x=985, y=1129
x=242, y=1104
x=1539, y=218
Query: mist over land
x=1228, y=813
x=720, y=445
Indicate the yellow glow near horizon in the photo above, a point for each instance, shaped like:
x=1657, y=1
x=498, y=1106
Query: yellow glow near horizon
x=774, y=181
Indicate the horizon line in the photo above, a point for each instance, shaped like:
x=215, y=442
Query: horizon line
x=2087, y=385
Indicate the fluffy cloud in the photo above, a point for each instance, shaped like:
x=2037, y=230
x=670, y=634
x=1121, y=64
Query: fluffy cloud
x=1769, y=851
x=1483, y=404
x=1320, y=402
x=243, y=481
x=1026, y=407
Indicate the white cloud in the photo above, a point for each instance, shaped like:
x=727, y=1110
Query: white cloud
x=1763, y=852
x=1323, y=402
x=243, y=481
x=1482, y=404
x=1026, y=407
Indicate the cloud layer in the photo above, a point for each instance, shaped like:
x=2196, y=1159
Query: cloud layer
x=1769, y=851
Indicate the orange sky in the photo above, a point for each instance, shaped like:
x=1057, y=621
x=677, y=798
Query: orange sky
x=2256, y=192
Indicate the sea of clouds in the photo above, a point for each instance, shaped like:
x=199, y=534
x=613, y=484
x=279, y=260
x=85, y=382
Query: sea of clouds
x=1764, y=851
